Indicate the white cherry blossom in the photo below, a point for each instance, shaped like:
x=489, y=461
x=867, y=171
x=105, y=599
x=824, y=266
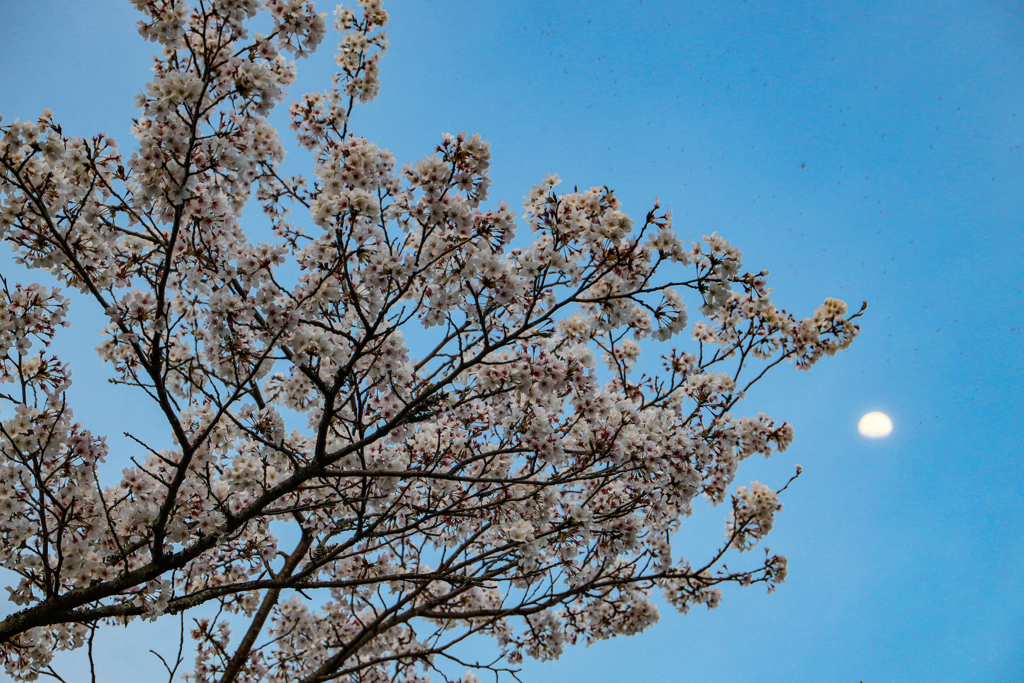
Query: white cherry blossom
x=479, y=452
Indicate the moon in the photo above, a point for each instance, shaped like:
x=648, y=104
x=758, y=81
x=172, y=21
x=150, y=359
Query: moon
x=875, y=425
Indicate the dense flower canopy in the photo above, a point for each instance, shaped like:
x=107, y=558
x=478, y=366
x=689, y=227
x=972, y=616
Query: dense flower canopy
x=357, y=503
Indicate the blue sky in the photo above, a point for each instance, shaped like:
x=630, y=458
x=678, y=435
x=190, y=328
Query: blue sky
x=866, y=150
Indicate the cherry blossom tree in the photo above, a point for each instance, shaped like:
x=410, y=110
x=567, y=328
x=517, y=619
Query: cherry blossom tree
x=333, y=502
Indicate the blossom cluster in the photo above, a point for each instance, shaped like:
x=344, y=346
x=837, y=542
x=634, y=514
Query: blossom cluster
x=456, y=424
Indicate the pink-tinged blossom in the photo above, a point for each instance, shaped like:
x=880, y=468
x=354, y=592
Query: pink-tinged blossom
x=457, y=429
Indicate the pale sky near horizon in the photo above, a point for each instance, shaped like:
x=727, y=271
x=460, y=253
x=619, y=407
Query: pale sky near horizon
x=870, y=151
